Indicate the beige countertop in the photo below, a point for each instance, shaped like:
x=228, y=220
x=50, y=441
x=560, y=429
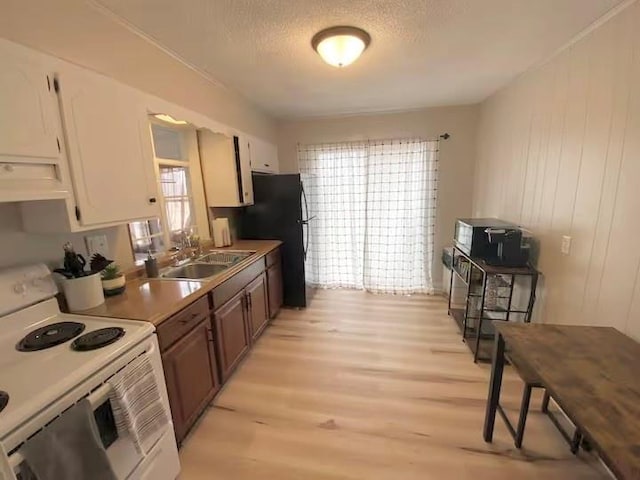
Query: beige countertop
x=155, y=300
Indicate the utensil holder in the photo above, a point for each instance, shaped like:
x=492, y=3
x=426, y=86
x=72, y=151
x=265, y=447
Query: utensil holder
x=83, y=293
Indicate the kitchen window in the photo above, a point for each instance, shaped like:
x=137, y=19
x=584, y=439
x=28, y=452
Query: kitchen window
x=181, y=192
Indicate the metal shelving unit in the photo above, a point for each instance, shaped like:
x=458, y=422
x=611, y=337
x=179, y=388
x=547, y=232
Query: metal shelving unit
x=490, y=296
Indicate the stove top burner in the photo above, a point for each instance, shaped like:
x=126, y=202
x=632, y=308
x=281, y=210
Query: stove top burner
x=50, y=336
x=97, y=339
x=4, y=399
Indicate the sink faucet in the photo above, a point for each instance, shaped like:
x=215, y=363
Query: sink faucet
x=184, y=240
x=195, y=245
x=181, y=250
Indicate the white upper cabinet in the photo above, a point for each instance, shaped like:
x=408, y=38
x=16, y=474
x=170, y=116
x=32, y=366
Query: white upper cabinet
x=109, y=147
x=264, y=156
x=30, y=153
x=226, y=169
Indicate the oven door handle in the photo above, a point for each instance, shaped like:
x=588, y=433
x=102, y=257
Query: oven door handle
x=97, y=397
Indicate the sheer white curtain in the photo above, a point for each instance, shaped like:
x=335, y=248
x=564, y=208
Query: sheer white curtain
x=176, y=193
x=375, y=205
x=335, y=182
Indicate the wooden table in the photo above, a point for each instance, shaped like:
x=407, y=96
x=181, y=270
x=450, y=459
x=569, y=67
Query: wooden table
x=593, y=373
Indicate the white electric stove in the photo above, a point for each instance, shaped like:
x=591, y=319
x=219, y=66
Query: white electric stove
x=51, y=360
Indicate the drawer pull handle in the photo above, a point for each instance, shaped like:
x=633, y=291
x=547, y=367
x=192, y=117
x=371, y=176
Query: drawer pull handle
x=187, y=320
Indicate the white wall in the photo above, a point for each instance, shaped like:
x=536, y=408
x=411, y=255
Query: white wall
x=75, y=31
x=18, y=247
x=456, y=153
x=558, y=152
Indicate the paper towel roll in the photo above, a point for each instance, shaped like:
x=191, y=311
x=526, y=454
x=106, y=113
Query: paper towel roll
x=221, y=232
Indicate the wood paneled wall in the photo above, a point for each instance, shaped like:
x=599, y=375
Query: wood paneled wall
x=559, y=153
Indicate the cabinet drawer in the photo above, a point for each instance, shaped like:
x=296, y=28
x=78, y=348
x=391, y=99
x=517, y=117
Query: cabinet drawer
x=273, y=257
x=228, y=289
x=174, y=328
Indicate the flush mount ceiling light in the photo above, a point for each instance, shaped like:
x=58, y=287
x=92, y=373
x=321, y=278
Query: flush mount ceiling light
x=340, y=46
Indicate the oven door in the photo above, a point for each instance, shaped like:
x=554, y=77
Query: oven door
x=122, y=453
x=161, y=462
x=121, y=450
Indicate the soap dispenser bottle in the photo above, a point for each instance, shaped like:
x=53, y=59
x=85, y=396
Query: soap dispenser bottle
x=151, y=266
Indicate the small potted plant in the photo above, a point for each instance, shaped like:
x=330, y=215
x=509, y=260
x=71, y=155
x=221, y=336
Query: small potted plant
x=113, y=280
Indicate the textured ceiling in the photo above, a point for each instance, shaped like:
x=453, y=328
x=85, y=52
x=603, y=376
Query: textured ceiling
x=423, y=52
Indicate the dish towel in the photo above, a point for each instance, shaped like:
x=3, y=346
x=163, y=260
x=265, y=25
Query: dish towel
x=69, y=448
x=137, y=405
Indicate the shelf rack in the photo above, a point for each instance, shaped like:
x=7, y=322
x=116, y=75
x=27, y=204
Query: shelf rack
x=475, y=319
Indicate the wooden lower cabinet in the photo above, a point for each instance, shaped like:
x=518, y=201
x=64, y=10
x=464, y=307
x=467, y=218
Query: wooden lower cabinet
x=257, y=306
x=274, y=281
x=201, y=349
x=191, y=376
x=231, y=333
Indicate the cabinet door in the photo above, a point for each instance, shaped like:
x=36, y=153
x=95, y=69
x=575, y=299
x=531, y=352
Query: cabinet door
x=28, y=109
x=258, y=310
x=264, y=156
x=245, y=170
x=191, y=375
x=274, y=283
x=231, y=333
x=109, y=146
x=226, y=169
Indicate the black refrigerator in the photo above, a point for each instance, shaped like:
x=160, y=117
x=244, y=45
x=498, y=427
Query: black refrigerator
x=280, y=211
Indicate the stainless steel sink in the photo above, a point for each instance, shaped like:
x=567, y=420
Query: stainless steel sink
x=206, y=266
x=225, y=257
x=195, y=271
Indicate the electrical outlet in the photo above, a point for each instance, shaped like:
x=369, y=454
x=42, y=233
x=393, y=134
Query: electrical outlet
x=97, y=244
x=565, y=248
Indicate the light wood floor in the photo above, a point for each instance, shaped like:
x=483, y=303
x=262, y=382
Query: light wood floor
x=370, y=387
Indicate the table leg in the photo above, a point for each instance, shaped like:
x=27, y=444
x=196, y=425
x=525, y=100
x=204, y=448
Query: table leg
x=451, y=282
x=532, y=298
x=494, y=388
x=480, y=315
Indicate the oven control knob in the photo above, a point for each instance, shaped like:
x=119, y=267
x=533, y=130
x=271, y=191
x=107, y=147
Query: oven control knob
x=20, y=288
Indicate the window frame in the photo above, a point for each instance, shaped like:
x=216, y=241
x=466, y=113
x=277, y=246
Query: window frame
x=158, y=164
x=190, y=161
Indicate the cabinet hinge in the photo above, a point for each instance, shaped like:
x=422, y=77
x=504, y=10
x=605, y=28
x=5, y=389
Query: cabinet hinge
x=77, y=214
x=56, y=85
x=58, y=142
x=48, y=83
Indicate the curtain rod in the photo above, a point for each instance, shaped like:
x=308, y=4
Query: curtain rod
x=444, y=136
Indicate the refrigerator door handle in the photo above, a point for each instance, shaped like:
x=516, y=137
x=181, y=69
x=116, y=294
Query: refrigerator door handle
x=305, y=222
x=306, y=205
x=306, y=241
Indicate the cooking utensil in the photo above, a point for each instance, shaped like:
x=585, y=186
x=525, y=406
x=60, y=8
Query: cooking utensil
x=73, y=262
x=63, y=272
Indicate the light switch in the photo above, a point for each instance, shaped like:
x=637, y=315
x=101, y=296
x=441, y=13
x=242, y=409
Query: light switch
x=97, y=244
x=565, y=248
